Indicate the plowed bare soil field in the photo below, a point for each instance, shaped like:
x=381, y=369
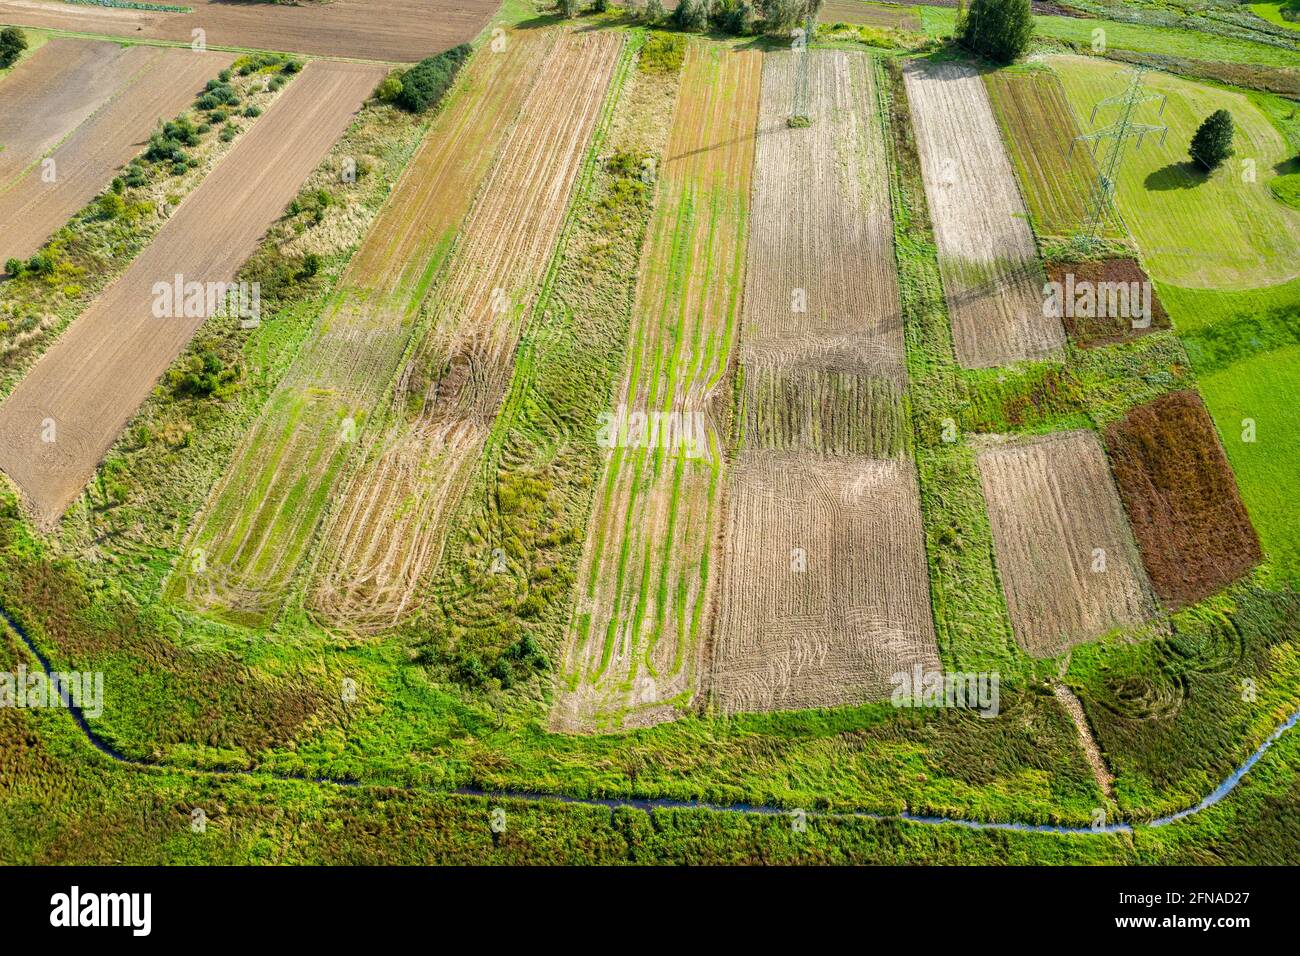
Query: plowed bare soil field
x=635, y=641
x=1118, y=309
x=296, y=453
x=33, y=206
x=825, y=593
x=1064, y=549
x=387, y=527
x=54, y=91
x=400, y=30
x=821, y=287
x=1181, y=498
x=89, y=384
x=987, y=256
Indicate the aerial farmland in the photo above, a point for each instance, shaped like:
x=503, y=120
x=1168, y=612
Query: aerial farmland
x=587, y=433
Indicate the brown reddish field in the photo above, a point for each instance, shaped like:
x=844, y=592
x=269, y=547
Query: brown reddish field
x=987, y=255
x=397, y=30
x=1181, y=498
x=166, y=84
x=858, y=612
x=85, y=389
x=389, y=523
x=53, y=91
x=1117, y=324
x=1066, y=555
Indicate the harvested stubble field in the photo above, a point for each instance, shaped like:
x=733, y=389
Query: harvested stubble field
x=1065, y=552
x=987, y=255
x=55, y=90
x=33, y=206
x=89, y=384
x=1056, y=175
x=1181, y=498
x=643, y=607
x=1118, y=287
x=265, y=511
x=824, y=592
x=821, y=289
x=404, y=31
x=1223, y=230
x=387, y=528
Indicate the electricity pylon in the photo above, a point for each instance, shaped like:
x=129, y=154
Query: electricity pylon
x=1117, y=135
x=802, y=69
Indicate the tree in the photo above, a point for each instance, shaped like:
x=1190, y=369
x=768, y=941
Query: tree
x=691, y=15
x=654, y=11
x=566, y=8
x=1212, y=143
x=782, y=16
x=998, y=30
x=12, y=43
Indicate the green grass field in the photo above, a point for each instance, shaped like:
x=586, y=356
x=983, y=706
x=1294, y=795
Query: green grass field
x=1262, y=389
x=1224, y=230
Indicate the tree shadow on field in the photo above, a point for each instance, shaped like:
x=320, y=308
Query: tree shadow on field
x=1287, y=167
x=1185, y=175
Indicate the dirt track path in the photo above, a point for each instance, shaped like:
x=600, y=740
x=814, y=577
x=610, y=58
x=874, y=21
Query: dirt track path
x=56, y=426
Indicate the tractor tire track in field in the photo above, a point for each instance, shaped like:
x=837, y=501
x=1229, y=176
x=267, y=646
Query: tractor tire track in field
x=69, y=409
x=262, y=516
x=33, y=207
x=650, y=804
x=387, y=532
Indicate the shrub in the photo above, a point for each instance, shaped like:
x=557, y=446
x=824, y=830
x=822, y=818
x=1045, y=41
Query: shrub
x=14, y=266
x=998, y=30
x=390, y=88
x=1212, y=143
x=12, y=43
x=425, y=84
x=111, y=205
x=663, y=53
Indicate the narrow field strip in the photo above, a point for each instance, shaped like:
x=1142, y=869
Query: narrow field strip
x=388, y=525
x=825, y=594
x=1065, y=552
x=55, y=90
x=262, y=516
x=67, y=412
x=34, y=205
x=1056, y=173
x=821, y=289
x=634, y=641
x=987, y=255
